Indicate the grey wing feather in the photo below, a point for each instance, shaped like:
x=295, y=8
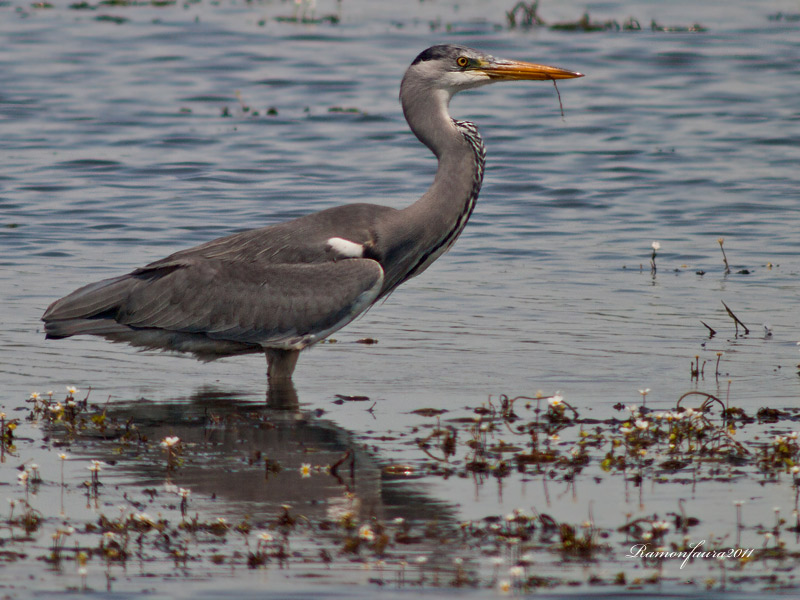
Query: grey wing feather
x=272, y=305
x=249, y=303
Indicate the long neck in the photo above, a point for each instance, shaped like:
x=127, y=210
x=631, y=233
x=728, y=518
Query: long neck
x=432, y=224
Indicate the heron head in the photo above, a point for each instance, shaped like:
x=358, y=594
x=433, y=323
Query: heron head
x=453, y=68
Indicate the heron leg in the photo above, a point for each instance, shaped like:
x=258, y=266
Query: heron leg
x=281, y=363
x=280, y=389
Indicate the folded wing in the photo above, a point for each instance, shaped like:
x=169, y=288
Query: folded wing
x=216, y=307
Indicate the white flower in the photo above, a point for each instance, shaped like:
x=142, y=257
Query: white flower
x=35, y=396
x=641, y=424
x=556, y=400
x=655, y=246
x=265, y=537
x=72, y=390
x=516, y=572
x=305, y=470
x=661, y=526
x=170, y=441
x=366, y=533
x=144, y=518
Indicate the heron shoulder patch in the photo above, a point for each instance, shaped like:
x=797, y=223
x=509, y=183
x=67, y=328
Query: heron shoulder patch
x=346, y=248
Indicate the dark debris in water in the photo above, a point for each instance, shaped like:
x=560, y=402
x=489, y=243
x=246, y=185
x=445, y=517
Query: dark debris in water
x=527, y=15
x=341, y=399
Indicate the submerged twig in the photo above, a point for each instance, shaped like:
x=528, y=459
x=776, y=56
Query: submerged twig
x=711, y=331
x=709, y=399
x=721, y=241
x=736, y=320
x=529, y=15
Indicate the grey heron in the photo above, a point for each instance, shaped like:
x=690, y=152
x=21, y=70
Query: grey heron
x=282, y=288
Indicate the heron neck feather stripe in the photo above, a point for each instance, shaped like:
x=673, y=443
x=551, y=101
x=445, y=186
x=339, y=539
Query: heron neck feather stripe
x=473, y=137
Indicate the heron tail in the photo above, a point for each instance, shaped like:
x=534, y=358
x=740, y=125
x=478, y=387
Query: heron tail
x=88, y=310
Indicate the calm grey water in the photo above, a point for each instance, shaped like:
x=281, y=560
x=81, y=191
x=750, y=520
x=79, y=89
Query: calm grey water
x=116, y=152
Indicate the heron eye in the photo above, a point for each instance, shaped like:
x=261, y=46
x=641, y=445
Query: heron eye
x=462, y=61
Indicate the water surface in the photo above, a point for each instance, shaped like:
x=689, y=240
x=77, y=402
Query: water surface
x=122, y=143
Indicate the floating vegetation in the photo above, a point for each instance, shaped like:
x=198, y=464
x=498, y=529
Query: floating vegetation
x=115, y=19
x=304, y=14
x=345, y=110
x=788, y=17
x=176, y=527
x=330, y=19
x=527, y=15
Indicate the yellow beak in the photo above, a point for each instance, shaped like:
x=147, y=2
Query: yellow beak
x=515, y=70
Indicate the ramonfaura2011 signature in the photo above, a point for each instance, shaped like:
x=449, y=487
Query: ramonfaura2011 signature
x=641, y=551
